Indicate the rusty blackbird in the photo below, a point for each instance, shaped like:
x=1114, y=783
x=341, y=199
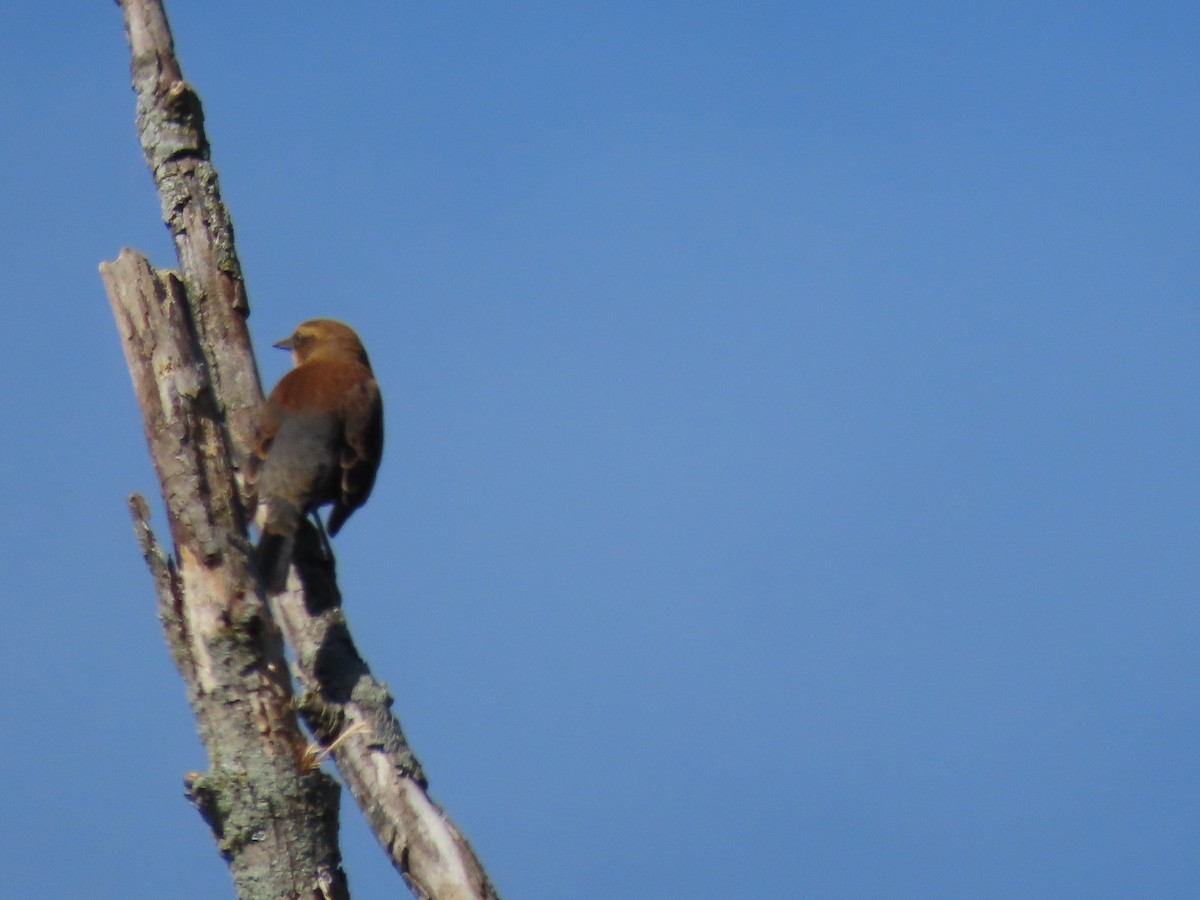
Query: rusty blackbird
x=319, y=441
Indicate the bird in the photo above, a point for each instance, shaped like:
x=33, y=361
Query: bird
x=319, y=441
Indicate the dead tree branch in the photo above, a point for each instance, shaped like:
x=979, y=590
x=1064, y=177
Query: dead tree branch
x=275, y=818
x=274, y=815
x=349, y=711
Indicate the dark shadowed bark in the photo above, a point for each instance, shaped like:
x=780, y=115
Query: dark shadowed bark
x=272, y=811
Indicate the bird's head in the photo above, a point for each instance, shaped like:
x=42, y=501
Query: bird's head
x=324, y=338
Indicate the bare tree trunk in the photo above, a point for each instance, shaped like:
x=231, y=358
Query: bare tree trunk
x=273, y=813
x=170, y=123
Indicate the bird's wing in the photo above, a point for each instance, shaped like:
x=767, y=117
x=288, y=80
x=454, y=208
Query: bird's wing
x=363, y=444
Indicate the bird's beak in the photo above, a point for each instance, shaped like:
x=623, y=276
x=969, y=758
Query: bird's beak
x=285, y=344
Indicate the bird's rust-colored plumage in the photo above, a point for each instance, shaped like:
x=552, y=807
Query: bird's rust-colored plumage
x=320, y=438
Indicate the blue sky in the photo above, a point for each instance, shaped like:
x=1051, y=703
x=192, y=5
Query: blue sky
x=790, y=484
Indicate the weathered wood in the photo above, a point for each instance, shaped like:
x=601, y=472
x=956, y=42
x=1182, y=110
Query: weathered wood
x=350, y=713
x=170, y=124
x=274, y=815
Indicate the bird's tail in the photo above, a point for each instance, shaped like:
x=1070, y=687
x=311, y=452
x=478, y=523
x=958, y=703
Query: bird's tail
x=272, y=557
x=273, y=553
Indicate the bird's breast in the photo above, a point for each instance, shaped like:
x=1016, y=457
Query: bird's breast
x=302, y=466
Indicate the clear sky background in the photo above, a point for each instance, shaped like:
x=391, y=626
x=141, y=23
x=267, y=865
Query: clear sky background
x=790, y=485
